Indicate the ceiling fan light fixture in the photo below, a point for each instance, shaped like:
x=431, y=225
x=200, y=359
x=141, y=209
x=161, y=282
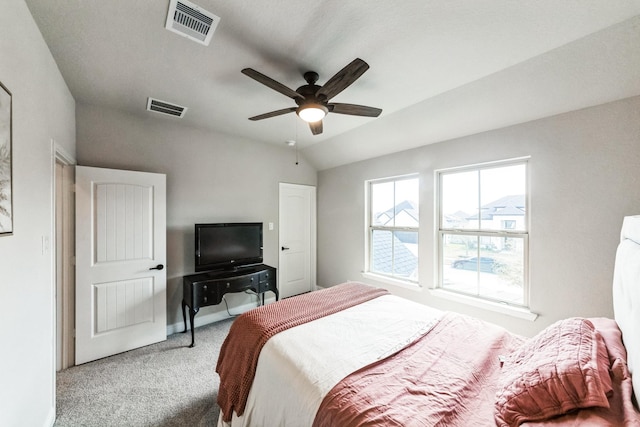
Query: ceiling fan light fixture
x=312, y=112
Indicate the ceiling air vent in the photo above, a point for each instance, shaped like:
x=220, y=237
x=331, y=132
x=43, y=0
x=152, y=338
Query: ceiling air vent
x=191, y=21
x=165, y=108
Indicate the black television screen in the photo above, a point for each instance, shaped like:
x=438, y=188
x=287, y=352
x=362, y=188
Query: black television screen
x=227, y=245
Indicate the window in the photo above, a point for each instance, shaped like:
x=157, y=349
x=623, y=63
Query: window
x=483, y=231
x=393, y=227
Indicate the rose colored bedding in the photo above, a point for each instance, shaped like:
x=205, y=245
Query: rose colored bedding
x=621, y=411
x=448, y=374
x=447, y=378
x=250, y=331
x=452, y=376
x=561, y=369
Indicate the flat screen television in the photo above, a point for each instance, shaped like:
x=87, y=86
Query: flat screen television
x=227, y=245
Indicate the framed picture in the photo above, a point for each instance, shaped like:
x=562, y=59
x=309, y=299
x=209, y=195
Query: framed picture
x=6, y=199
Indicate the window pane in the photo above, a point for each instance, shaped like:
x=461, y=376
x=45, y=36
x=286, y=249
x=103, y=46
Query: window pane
x=507, y=268
x=405, y=254
x=458, y=274
x=502, y=197
x=485, y=266
x=382, y=202
x=395, y=253
x=406, y=203
x=460, y=200
x=394, y=221
x=382, y=252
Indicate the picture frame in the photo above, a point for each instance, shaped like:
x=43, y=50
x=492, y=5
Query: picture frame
x=6, y=164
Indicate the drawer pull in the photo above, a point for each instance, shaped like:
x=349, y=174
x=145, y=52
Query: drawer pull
x=205, y=287
x=228, y=285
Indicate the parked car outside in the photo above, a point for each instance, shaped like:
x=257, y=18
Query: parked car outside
x=486, y=264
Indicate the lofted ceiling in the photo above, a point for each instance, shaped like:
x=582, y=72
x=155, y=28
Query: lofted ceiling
x=440, y=69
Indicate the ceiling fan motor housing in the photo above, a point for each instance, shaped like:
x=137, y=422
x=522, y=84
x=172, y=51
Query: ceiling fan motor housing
x=308, y=91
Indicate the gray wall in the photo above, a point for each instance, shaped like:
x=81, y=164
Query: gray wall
x=43, y=109
x=585, y=176
x=210, y=178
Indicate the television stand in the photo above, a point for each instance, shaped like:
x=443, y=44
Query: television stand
x=208, y=288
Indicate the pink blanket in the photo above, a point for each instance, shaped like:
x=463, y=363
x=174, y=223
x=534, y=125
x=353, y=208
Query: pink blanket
x=446, y=378
x=250, y=331
x=450, y=376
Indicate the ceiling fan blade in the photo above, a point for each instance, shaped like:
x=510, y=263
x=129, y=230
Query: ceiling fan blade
x=273, y=113
x=343, y=79
x=268, y=81
x=316, y=127
x=354, y=110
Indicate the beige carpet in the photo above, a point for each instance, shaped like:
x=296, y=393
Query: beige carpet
x=165, y=384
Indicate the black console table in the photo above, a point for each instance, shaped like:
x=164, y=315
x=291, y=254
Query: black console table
x=204, y=289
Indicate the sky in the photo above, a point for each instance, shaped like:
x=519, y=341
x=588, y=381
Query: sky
x=461, y=188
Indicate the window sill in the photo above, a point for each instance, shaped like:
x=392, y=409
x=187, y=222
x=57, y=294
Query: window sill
x=391, y=281
x=519, y=312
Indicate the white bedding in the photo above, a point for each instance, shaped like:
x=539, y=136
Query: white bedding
x=626, y=294
x=296, y=374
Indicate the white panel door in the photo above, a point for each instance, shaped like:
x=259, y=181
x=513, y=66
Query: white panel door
x=120, y=257
x=297, y=225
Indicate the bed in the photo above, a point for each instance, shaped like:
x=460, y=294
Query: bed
x=355, y=355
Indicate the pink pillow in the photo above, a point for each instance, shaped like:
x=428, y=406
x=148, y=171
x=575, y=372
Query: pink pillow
x=555, y=372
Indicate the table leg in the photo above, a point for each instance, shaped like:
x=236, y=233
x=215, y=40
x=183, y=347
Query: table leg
x=184, y=316
x=192, y=314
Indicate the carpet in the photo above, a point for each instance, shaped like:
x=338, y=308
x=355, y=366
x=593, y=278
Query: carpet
x=164, y=384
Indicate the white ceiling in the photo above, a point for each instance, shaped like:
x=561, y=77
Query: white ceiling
x=440, y=69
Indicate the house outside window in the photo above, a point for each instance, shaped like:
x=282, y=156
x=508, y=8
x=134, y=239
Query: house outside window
x=483, y=231
x=393, y=221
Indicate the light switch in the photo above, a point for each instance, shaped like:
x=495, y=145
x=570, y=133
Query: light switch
x=270, y=226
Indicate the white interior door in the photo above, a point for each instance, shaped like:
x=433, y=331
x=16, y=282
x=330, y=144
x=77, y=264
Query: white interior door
x=297, y=235
x=120, y=257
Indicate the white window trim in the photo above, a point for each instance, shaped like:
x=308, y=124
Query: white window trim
x=522, y=311
x=414, y=286
x=367, y=273
x=497, y=307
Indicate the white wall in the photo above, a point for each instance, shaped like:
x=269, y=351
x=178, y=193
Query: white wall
x=585, y=170
x=43, y=109
x=210, y=178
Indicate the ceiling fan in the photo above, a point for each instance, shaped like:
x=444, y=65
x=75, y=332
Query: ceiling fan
x=313, y=100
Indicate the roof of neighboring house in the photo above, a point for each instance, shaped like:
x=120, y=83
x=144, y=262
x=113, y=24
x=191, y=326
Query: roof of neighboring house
x=513, y=205
x=405, y=206
x=405, y=260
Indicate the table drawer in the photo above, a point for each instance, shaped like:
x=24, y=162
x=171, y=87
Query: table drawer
x=268, y=285
x=205, y=294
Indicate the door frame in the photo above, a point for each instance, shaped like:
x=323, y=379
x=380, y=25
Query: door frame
x=312, y=189
x=61, y=156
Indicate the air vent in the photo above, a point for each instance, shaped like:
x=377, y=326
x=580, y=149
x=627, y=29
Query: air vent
x=191, y=21
x=165, y=108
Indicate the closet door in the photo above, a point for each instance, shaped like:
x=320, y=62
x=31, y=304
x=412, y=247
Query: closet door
x=297, y=225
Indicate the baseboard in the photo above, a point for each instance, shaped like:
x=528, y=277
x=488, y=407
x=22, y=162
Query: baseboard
x=51, y=417
x=205, y=319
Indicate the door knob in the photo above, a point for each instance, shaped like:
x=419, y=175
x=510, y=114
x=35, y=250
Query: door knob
x=157, y=267
x=284, y=248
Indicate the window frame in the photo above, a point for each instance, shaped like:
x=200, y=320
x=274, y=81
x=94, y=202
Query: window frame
x=370, y=227
x=440, y=231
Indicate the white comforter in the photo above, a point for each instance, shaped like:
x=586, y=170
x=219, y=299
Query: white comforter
x=299, y=366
